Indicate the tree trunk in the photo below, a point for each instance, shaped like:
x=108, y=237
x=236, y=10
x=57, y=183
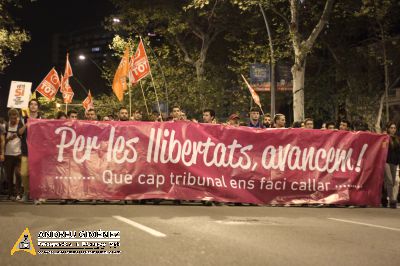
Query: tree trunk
x=298, y=72
x=386, y=69
x=199, y=65
x=379, y=116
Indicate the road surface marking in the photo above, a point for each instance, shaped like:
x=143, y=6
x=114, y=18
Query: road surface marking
x=371, y=225
x=140, y=226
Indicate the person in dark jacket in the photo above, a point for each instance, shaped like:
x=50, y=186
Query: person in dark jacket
x=392, y=161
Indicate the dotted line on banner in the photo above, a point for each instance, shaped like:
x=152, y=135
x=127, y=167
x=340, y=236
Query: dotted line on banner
x=348, y=186
x=75, y=177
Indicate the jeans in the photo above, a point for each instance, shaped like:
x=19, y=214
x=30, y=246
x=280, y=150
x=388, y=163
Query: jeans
x=11, y=165
x=391, y=181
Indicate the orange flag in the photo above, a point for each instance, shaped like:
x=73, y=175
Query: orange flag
x=119, y=85
x=88, y=102
x=139, y=65
x=49, y=86
x=254, y=94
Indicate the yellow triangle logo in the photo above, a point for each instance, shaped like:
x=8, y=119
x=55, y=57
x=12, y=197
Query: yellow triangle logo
x=24, y=243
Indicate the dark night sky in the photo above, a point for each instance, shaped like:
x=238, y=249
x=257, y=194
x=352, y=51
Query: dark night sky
x=43, y=18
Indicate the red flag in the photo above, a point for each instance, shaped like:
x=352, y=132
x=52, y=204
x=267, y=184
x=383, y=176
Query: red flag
x=88, y=102
x=67, y=96
x=64, y=82
x=50, y=84
x=66, y=89
x=139, y=65
x=68, y=70
x=254, y=94
x=119, y=85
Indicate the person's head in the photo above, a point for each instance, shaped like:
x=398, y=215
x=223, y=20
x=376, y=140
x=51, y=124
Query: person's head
x=137, y=115
x=176, y=112
x=72, y=114
x=234, y=120
x=183, y=116
x=106, y=118
x=254, y=114
x=123, y=114
x=391, y=128
x=330, y=125
x=279, y=120
x=344, y=125
x=208, y=115
x=267, y=120
x=155, y=116
x=91, y=115
x=61, y=115
x=13, y=116
x=297, y=124
x=33, y=106
x=309, y=123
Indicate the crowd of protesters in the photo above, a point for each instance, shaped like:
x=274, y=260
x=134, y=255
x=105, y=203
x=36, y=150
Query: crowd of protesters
x=14, y=173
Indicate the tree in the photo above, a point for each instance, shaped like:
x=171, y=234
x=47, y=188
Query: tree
x=11, y=36
x=302, y=47
x=192, y=50
x=379, y=13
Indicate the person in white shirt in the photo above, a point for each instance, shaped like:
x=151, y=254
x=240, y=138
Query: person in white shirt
x=13, y=154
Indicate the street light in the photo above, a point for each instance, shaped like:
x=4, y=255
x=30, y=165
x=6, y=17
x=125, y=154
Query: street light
x=82, y=57
x=116, y=20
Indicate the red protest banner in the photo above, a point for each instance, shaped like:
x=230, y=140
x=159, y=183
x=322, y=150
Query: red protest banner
x=190, y=161
x=50, y=84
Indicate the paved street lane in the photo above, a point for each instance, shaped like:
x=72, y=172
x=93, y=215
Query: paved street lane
x=197, y=235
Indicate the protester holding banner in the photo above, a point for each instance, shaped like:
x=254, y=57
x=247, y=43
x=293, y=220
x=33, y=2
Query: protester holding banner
x=208, y=115
x=12, y=155
x=279, y=121
x=61, y=115
x=33, y=106
x=267, y=120
x=123, y=114
x=330, y=125
x=91, y=115
x=392, y=162
x=344, y=125
x=298, y=124
x=137, y=115
x=233, y=120
x=176, y=112
x=309, y=123
x=254, y=115
x=72, y=114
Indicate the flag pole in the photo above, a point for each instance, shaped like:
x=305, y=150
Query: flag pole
x=155, y=91
x=144, y=97
x=130, y=101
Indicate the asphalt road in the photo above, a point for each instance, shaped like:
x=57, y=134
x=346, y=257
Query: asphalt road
x=218, y=235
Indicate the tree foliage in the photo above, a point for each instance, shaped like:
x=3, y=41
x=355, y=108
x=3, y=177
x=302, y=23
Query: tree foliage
x=206, y=44
x=11, y=36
